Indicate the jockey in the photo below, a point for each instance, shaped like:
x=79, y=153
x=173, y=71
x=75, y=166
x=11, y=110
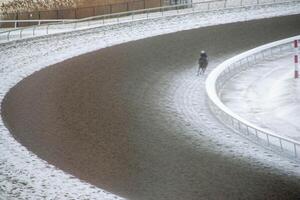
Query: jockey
x=203, y=55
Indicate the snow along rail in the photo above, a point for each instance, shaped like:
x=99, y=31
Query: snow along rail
x=132, y=16
x=230, y=68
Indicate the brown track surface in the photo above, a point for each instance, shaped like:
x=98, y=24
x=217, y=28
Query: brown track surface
x=110, y=117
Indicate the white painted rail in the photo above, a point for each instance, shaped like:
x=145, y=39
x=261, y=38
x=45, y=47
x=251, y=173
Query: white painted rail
x=132, y=16
x=226, y=71
x=35, y=21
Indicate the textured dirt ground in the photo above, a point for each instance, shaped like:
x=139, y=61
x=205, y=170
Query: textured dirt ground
x=131, y=118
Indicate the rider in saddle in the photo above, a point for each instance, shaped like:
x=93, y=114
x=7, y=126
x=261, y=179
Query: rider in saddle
x=203, y=56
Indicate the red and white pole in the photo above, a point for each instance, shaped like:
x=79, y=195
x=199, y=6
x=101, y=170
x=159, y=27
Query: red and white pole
x=296, y=58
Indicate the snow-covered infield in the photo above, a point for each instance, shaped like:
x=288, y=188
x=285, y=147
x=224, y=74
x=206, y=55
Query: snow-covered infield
x=22, y=174
x=225, y=71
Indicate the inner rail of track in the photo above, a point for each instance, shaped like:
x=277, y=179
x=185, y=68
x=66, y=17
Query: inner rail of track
x=225, y=71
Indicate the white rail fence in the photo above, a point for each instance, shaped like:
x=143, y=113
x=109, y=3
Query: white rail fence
x=225, y=72
x=126, y=17
x=35, y=21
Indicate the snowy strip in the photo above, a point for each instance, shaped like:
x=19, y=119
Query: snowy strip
x=22, y=174
x=231, y=67
x=135, y=16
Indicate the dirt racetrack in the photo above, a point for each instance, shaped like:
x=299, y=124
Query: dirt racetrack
x=131, y=118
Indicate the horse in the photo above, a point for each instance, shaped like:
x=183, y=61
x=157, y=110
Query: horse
x=202, y=66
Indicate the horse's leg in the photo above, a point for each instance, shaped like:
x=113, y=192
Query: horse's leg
x=201, y=68
x=202, y=72
x=204, y=67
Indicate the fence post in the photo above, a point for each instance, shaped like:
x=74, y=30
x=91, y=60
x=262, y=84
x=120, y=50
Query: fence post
x=296, y=59
x=8, y=35
x=271, y=50
x=17, y=18
x=280, y=49
x=47, y=29
x=248, y=63
x=295, y=149
x=256, y=133
x=280, y=144
x=268, y=138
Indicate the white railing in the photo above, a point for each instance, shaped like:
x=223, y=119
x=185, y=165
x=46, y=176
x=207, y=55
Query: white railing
x=131, y=16
x=34, y=21
x=231, y=67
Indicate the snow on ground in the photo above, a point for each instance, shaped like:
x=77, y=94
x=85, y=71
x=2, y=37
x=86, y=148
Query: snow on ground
x=16, y=34
x=268, y=95
x=22, y=174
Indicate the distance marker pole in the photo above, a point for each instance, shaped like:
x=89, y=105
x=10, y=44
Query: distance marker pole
x=296, y=59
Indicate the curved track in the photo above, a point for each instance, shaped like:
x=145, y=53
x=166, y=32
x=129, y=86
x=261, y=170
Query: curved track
x=133, y=119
